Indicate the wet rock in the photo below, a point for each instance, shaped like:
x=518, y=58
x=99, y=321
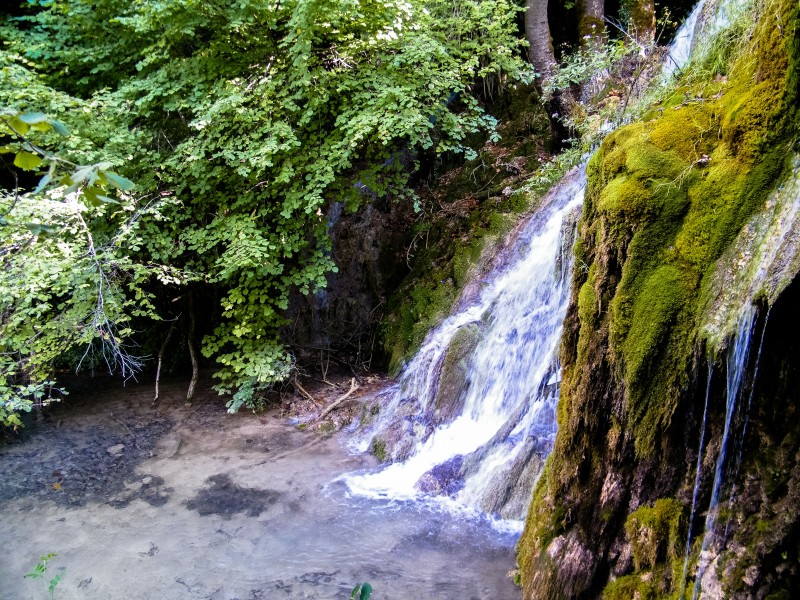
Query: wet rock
x=510, y=485
x=223, y=497
x=90, y=462
x=751, y=575
x=575, y=563
x=409, y=427
x=621, y=556
x=447, y=478
x=454, y=379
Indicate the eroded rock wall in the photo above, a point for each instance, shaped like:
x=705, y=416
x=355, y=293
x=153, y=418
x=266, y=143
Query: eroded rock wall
x=667, y=197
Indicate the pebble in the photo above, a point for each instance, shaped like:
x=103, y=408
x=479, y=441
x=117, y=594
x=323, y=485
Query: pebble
x=116, y=450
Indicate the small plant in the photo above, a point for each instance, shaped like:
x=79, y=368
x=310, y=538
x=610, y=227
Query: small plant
x=362, y=591
x=40, y=572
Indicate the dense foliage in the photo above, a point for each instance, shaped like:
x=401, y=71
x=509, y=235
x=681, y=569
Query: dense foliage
x=241, y=123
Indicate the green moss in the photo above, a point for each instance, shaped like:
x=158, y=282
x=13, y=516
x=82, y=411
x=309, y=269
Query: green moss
x=588, y=312
x=665, y=199
x=687, y=131
x=545, y=521
x=378, y=448
x=625, y=197
x=465, y=259
x=454, y=373
x=656, y=533
x=651, y=162
x=655, y=308
x=640, y=586
x=413, y=314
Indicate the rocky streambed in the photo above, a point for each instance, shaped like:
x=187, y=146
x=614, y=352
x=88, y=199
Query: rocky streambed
x=190, y=502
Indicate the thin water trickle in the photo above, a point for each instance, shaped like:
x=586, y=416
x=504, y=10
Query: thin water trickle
x=740, y=439
x=508, y=405
x=696, y=480
x=737, y=361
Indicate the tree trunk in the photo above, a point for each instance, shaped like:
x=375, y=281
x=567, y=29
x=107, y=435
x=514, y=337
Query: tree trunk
x=541, y=56
x=642, y=24
x=537, y=32
x=592, y=27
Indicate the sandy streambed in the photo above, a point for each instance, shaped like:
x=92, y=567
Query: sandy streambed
x=189, y=502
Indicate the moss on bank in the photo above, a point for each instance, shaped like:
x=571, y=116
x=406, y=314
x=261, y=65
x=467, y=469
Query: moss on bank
x=666, y=197
x=469, y=211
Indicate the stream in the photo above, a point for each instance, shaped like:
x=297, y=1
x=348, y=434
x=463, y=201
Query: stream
x=191, y=502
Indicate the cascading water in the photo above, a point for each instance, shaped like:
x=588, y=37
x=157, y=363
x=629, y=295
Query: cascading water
x=680, y=49
x=737, y=361
x=696, y=480
x=770, y=243
x=696, y=32
x=739, y=440
x=511, y=329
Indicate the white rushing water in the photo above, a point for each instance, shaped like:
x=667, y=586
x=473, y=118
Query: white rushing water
x=680, y=49
x=512, y=372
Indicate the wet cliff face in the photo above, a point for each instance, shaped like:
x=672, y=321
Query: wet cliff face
x=667, y=198
x=338, y=326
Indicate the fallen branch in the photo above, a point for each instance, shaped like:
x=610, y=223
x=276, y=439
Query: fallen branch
x=160, y=356
x=192, y=353
x=303, y=391
x=338, y=401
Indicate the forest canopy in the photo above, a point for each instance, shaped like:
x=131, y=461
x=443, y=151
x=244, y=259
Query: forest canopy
x=164, y=154
x=240, y=124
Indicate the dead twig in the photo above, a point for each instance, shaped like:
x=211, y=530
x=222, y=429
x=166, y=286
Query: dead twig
x=303, y=391
x=353, y=387
x=161, y=356
x=192, y=352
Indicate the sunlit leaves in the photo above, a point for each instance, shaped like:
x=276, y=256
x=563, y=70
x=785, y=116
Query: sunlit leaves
x=255, y=117
x=27, y=161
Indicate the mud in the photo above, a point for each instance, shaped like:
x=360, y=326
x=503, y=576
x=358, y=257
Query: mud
x=190, y=502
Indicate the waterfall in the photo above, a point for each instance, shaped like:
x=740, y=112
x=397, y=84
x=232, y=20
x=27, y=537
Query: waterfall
x=696, y=480
x=770, y=243
x=740, y=439
x=707, y=19
x=738, y=353
x=505, y=337
x=681, y=47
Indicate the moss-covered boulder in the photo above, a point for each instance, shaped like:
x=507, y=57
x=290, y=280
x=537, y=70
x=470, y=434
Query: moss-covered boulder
x=454, y=377
x=667, y=197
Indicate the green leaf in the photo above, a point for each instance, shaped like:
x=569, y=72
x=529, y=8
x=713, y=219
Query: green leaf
x=27, y=161
x=366, y=591
x=119, y=181
x=92, y=195
x=107, y=200
x=41, y=228
x=59, y=127
x=43, y=183
x=19, y=126
x=32, y=118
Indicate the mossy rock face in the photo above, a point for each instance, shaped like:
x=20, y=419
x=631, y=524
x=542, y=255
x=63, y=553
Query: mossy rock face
x=666, y=197
x=656, y=533
x=454, y=377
